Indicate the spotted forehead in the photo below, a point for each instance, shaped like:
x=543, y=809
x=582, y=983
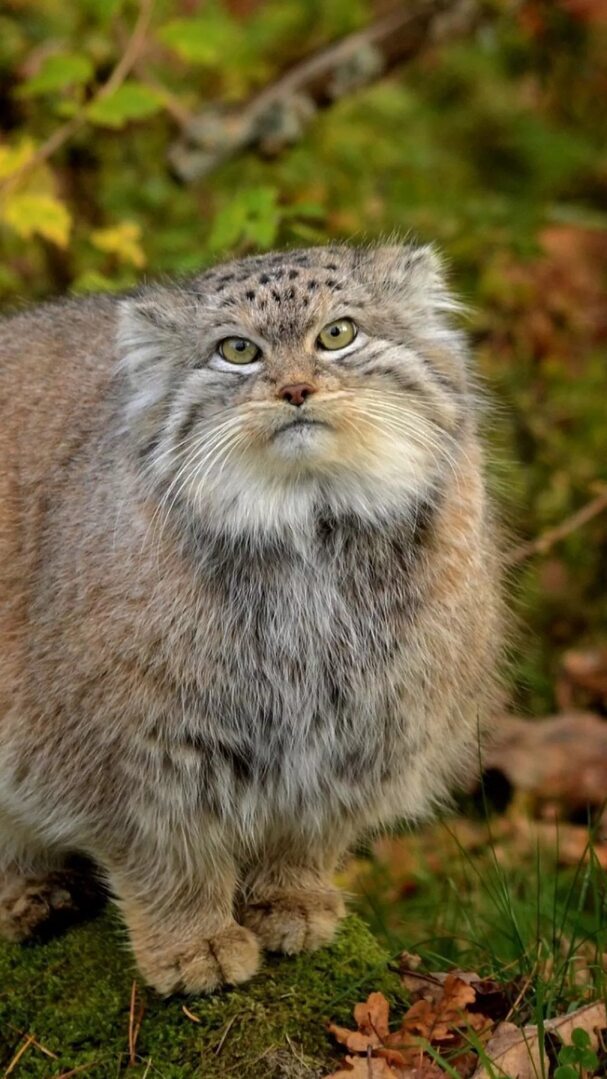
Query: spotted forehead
x=282, y=290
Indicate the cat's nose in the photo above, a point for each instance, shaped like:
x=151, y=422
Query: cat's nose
x=296, y=394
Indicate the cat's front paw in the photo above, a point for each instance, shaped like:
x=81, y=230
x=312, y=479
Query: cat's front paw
x=228, y=957
x=292, y=921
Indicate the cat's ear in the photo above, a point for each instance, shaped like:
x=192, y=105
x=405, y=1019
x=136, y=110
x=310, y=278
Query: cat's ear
x=148, y=340
x=414, y=281
x=419, y=274
x=148, y=326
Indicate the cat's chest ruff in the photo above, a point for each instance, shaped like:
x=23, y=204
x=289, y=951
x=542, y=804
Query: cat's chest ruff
x=291, y=686
x=292, y=629
x=308, y=596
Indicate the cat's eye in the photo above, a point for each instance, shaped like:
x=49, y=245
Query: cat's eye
x=337, y=334
x=238, y=350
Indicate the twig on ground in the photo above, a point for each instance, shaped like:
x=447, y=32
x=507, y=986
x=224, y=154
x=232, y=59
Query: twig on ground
x=80, y=1068
x=221, y=1042
x=35, y=1042
x=135, y=1018
x=190, y=1015
x=277, y=116
x=43, y=1049
x=548, y=539
x=17, y=1057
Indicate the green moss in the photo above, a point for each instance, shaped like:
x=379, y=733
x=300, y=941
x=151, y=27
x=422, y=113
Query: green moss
x=73, y=995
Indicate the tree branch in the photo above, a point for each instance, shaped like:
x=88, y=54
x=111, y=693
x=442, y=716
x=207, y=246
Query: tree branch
x=552, y=536
x=277, y=116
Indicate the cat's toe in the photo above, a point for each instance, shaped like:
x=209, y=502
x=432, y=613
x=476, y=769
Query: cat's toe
x=293, y=922
x=228, y=957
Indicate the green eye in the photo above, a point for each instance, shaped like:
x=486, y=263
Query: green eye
x=238, y=350
x=337, y=334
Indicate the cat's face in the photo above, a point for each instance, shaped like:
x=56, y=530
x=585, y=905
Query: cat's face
x=274, y=385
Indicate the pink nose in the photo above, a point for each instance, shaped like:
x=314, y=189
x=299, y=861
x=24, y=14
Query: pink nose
x=296, y=394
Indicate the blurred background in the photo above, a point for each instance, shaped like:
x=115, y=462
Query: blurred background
x=150, y=139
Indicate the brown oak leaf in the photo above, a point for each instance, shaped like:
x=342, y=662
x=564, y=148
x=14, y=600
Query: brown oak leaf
x=354, y=1040
x=372, y=1017
x=366, y=1068
x=493, y=999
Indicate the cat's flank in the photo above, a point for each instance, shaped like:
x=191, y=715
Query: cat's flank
x=248, y=594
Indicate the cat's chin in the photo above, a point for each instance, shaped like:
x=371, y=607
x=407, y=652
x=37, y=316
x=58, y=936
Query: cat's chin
x=302, y=440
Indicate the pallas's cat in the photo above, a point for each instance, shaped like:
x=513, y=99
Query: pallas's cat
x=249, y=602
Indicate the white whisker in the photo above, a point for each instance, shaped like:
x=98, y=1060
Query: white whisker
x=207, y=451
x=193, y=459
x=408, y=430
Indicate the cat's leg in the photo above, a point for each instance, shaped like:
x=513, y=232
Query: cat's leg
x=290, y=900
x=39, y=890
x=181, y=921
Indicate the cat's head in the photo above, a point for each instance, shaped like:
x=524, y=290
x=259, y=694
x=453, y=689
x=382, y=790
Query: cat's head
x=276, y=385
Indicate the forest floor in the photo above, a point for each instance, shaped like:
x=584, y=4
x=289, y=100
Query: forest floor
x=511, y=889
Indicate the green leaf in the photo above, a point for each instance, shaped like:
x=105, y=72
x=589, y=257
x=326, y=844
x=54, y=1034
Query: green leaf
x=57, y=73
x=204, y=40
x=43, y=215
x=66, y=107
x=304, y=209
x=253, y=217
x=131, y=101
x=580, y=1038
x=566, y=1071
x=589, y=1059
x=101, y=10
x=568, y=1055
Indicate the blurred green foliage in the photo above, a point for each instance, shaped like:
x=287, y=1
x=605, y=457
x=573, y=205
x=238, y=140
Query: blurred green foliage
x=492, y=146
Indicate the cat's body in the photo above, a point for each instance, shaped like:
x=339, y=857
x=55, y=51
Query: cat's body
x=229, y=641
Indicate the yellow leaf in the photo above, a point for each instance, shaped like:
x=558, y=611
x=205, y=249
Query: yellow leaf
x=13, y=158
x=42, y=215
x=122, y=240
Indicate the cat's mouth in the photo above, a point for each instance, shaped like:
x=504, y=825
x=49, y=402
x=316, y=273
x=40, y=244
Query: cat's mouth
x=300, y=423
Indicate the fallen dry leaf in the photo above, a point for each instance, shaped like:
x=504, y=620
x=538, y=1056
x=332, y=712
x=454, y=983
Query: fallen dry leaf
x=353, y=1039
x=442, y=1016
x=443, y=1020
x=513, y=1052
x=439, y=1019
x=372, y=1017
x=492, y=998
x=591, y=1018
x=419, y=983
x=422, y=1021
x=517, y=1053
x=378, y=1068
x=366, y=1068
